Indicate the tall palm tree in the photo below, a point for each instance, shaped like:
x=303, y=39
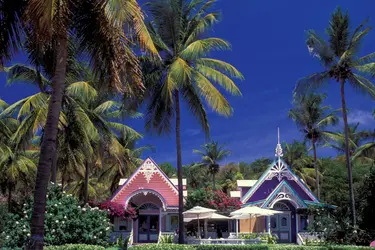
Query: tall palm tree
x=98, y=29
x=312, y=119
x=185, y=73
x=339, y=57
x=211, y=155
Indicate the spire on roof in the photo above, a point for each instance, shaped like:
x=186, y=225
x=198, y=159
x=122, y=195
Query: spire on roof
x=279, y=150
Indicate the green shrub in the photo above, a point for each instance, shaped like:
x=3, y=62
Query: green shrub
x=232, y=247
x=166, y=239
x=163, y=247
x=65, y=223
x=74, y=247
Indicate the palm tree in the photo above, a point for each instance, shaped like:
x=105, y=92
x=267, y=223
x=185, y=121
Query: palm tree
x=125, y=162
x=339, y=57
x=297, y=158
x=179, y=30
x=312, y=119
x=356, y=139
x=16, y=163
x=87, y=123
x=195, y=175
x=98, y=30
x=212, y=154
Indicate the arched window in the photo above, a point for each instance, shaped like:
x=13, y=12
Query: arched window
x=281, y=206
x=148, y=206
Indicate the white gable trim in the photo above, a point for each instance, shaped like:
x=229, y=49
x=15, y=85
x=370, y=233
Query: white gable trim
x=278, y=169
x=147, y=169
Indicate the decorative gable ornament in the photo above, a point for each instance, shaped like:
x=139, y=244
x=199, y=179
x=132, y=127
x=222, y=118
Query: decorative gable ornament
x=148, y=169
x=284, y=192
x=279, y=170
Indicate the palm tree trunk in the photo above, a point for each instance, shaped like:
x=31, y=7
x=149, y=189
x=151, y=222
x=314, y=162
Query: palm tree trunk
x=347, y=154
x=54, y=167
x=86, y=187
x=316, y=170
x=48, y=148
x=179, y=170
x=9, y=197
x=62, y=181
x=213, y=181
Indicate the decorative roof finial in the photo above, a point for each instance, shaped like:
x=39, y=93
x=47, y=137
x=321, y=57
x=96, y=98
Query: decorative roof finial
x=279, y=150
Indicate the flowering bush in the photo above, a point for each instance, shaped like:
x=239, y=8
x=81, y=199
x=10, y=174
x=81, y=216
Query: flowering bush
x=65, y=222
x=116, y=210
x=212, y=199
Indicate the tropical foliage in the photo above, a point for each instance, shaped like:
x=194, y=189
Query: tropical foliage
x=94, y=65
x=180, y=31
x=339, y=56
x=66, y=222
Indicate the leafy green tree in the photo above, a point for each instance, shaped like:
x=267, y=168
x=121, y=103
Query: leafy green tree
x=168, y=169
x=211, y=155
x=313, y=119
x=195, y=176
x=255, y=169
x=296, y=156
x=339, y=57
x=367, y=203
x=185, y=73
x=228, y=176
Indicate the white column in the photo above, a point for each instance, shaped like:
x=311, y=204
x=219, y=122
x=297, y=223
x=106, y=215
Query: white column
x=237, y=227
x=160, y=220
x=269, y=224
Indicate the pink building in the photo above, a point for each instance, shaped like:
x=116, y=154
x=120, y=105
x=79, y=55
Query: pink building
x=156, y=197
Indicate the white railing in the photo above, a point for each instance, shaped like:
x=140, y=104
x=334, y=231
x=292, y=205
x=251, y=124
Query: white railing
x=223, y=241
x=304, y=237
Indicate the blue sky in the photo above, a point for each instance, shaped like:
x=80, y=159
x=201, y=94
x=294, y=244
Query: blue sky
x=269, y=49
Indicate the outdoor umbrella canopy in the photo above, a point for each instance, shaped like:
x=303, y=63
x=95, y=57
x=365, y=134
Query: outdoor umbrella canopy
x=250, y=211
x=198, y=212
x=212, y=216
x=253, y=210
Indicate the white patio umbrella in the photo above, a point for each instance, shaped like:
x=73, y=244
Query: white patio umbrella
x=253, y=211
x=198, y=212
x=213, y=216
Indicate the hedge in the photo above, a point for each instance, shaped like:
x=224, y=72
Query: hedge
x=245, y=247
x=163, y=247
x=74, y=247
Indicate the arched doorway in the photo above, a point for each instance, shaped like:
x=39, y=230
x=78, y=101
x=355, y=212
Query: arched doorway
x=284, y=225
x=148, y=225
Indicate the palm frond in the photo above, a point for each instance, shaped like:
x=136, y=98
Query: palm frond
x=311, y=82
x=212, y=96
x=82, y=91
x=26, y=74
x=219, y=78
x=201, y=48
x=319, y=48
x=222, y=66
x=362, y=85
x=195, y=105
